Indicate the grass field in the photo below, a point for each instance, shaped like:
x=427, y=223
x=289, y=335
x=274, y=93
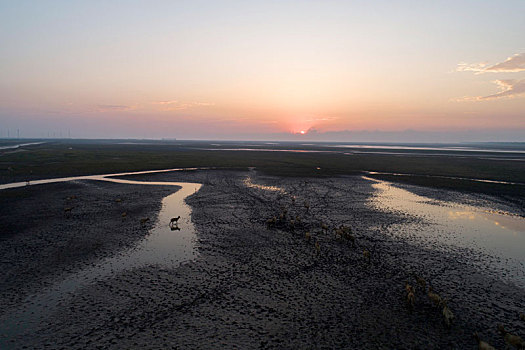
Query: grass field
x=61, y=158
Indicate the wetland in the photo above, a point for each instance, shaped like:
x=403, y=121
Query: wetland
x=93, y=277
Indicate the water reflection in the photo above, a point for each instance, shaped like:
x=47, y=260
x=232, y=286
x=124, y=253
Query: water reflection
x=501, y=222
x=446, y=177
x=429, y=148
x=496, y=233
x=168, y=244
x=248, y=183
x=266, y=150
x=103, y=177
x=18, y=145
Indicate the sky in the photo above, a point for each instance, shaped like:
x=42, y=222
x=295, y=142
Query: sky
x=264, y=70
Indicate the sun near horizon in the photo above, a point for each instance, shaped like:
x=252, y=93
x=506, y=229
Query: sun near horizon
x=279, y=174
x=263, y=70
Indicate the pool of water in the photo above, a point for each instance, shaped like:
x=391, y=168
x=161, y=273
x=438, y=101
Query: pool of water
x=429, y=148
x=446, y=177
x=498, y=234
x=248, y=182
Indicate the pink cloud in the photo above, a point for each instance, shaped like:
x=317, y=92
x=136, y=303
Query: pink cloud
x=509, y=88
x=514, y=63
x=174, y=105
x=120, y=108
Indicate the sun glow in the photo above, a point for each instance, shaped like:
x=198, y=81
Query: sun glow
x=322, y=70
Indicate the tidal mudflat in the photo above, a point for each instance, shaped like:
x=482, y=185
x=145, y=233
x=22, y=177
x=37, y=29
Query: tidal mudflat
x=250, y=281
x=160, y=247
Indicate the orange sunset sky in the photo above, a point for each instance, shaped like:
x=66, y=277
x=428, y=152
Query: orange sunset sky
x=263, y=70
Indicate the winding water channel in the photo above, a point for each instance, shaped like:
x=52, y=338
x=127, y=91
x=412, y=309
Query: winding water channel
x=163, y=247
x=499, y=236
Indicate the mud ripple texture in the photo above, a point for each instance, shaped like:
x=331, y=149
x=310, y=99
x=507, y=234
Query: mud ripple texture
x=259, y=287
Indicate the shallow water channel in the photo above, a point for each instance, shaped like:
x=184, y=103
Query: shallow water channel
x=497, y=238
x=164, y=246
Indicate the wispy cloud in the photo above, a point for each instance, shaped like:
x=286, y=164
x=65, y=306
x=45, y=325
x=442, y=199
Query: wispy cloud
x=514, y=63
x=106, y=108
x=175, y=105
x=321, y=119
x=509, y=88
x=165, y=102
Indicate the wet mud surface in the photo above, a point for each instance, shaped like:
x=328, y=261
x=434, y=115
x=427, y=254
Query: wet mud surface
x=255, y=286
x=41, y=240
